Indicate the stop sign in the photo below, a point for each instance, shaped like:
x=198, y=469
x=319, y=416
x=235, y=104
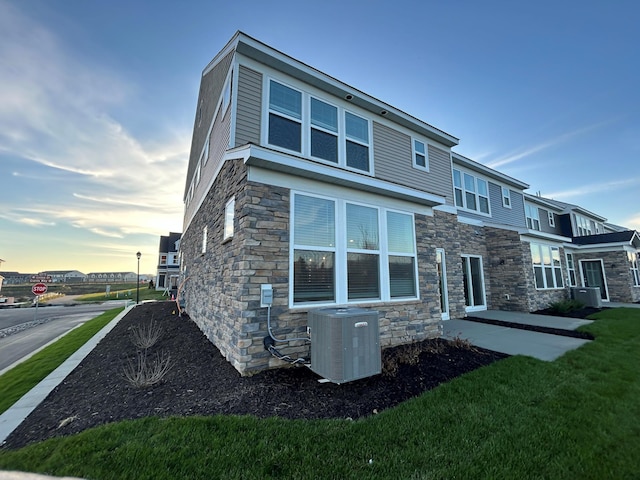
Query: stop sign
x=39, y=289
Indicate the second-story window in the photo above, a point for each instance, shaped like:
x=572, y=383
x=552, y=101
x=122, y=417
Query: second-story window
x=533, y=217
x=420, y=158
x=471, y=192
x=302, y=123
x=552, y=219
x=324, y=130
x=285, y=117
x=583, y=225
x=506, y=197
x=163, y=259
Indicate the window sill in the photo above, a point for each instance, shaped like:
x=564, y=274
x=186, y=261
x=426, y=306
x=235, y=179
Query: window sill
x=227, y=240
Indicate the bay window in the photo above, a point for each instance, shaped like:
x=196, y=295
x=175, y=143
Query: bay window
x=341, y=254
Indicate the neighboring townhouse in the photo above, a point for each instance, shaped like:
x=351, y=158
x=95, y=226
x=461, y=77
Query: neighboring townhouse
x=64, y=276
x=307, y=188
x=16, y=278
x=599, y=254
x=112, y=277
x=168, y=262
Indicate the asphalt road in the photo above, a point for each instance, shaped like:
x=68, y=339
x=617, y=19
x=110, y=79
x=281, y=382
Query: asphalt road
x=25, y=333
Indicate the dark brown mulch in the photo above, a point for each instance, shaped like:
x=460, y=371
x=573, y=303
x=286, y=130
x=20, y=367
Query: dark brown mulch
x=202, y=382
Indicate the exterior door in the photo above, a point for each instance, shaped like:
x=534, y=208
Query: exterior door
x=473, y=280
x=442, y=282
x=593, y=276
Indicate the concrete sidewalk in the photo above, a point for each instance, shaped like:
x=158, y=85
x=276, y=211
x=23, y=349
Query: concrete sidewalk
x=514, y=341
x=14, y=416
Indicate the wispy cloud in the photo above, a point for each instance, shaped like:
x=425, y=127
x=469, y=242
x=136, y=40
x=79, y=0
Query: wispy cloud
x=518, y=155
x=633, y=222
x=589, y=190
x=58, y=114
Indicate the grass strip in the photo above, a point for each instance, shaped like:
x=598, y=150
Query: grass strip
x=576, y=417
x=19, y=380
x=127, y=294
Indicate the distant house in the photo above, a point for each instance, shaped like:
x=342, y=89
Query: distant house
x=168, y=261
x=64, y=276
x=112, y=277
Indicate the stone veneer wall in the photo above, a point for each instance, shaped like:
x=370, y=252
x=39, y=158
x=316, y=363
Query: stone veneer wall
x=617, y=274
x=222, y=292
x=507, y=270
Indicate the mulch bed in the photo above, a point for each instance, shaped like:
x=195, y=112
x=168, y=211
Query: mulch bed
x=202, y=382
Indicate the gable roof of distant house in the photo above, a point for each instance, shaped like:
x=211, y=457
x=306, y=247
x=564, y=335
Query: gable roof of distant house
x=168, y=242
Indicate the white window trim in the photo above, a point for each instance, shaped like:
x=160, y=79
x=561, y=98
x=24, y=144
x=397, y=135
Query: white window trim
x=229, y=218
x=476, y=308
x=204, y=240
x=571, y=269
x=506, y=195
x=633, y=268
x=340, y=251
x=545, y=267
x=414, y=152
x=305, y=122
x=476, y=193
x=552, y=218
x=536, y=218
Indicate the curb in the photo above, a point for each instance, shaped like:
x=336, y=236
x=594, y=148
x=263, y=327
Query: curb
x=14, y=416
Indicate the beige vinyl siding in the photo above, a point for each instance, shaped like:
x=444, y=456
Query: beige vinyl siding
x=249, y=106
x=211, y=86
x=394, y=163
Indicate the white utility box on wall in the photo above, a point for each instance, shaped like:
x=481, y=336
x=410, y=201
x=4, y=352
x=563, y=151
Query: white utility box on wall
x=345, y=343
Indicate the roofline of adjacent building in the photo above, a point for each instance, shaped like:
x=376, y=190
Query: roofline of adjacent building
x=488, y=171
x=569, y=207
x=263, y=53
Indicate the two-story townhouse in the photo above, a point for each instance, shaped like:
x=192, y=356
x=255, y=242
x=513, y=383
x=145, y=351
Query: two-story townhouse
x=168, y=262
x=330, y=196
x=65, y=276
x=599, y=254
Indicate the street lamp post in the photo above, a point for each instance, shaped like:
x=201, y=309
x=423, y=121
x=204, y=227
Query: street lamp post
x=138, y=280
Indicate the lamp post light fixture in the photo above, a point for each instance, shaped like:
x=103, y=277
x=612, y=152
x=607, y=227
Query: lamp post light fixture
x=138, y=280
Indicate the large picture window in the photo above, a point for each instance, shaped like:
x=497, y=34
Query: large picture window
x=547, y=269
x=332, y=134
x=470, y=192
x=339, y=254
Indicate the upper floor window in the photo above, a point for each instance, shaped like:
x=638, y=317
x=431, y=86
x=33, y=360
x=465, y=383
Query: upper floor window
x=633, y=266
x=547, y=269
x=552, y=218
x=583, y=226
x=471, y=192
x=226, y=94
x=204, y=239
x=205, y=152
x=312, y=127
x=420, y=156
x=163, y=259
x=533, y=217
x=506, y=197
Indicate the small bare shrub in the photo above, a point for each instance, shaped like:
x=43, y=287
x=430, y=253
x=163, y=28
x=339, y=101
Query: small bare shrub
x=143, y=371
x=145, y=335
x=459, y=342
x=408, y=354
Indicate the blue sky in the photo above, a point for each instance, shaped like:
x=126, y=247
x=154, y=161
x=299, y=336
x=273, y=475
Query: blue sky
x=97, y=101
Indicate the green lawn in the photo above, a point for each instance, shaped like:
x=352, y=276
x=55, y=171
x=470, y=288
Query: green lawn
x=19, y=380
x=128, y=293
x=577, y=417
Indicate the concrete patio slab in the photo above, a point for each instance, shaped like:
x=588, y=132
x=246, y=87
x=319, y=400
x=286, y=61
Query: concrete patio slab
x=512, y=341
x=549, y=321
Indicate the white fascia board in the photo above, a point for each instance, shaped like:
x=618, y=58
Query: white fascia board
x=447, y=209
x=265, y=54
x=600, y=247
x=269, y=159
x=474, y=166
x=541, y=201
x=526, y=234
x=471, y=221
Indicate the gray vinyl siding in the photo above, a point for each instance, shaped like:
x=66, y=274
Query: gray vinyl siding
x=513, y=216
x=211, y=86
x=393, y=162
x=544, y=223
x=249, y=107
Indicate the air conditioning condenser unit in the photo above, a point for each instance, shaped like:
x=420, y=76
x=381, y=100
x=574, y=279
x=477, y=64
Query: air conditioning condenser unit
x=345, y=343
